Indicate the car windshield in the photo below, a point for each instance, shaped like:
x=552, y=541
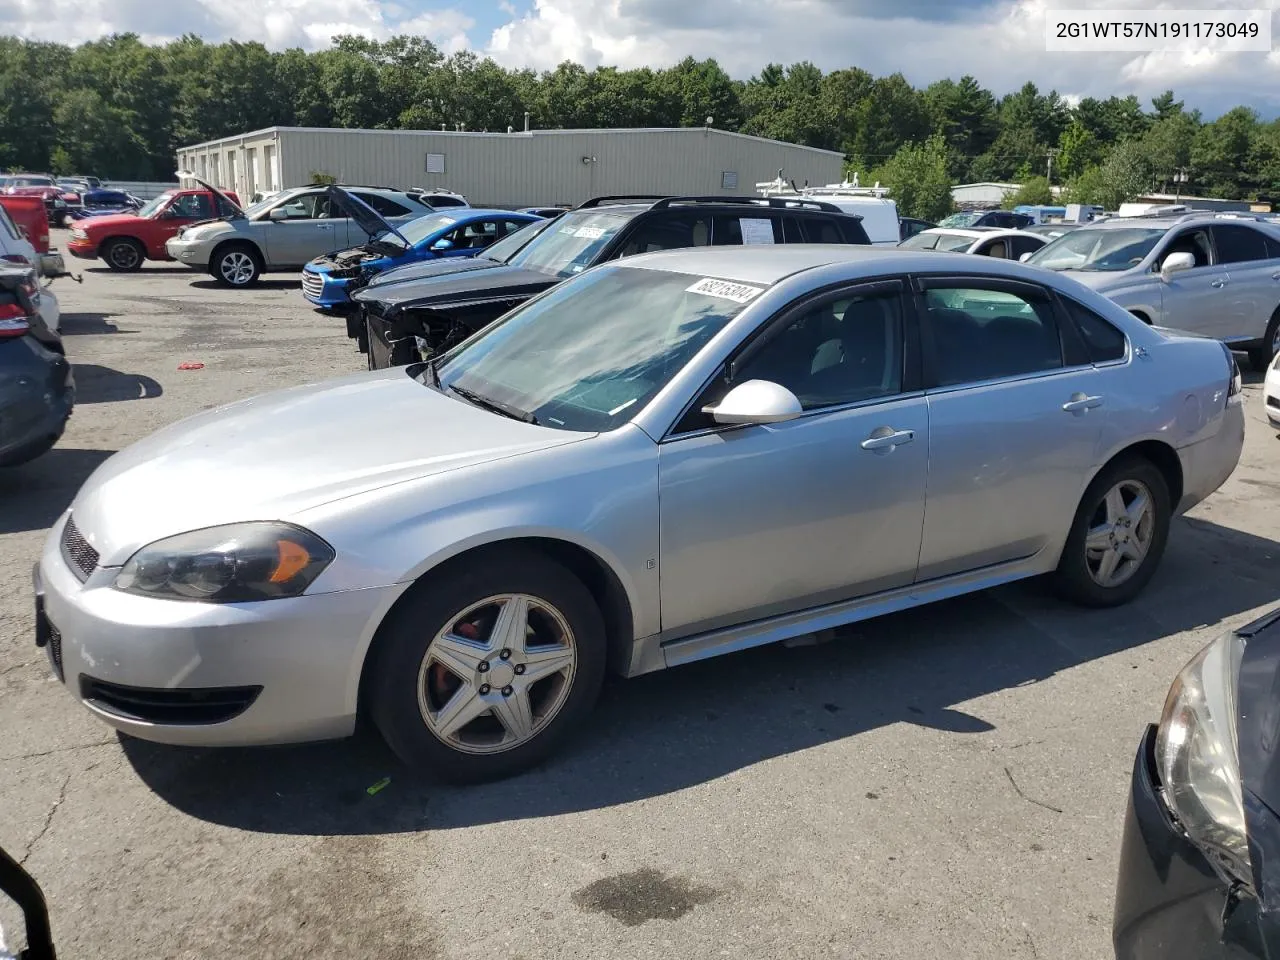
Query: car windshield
x=154, y=205
x=590, y=354
x=960, y=220
x=261, y=206
x=504, y=249
x=1098, y=249
x=571, y=245
x=417, y=230
x=31, y=182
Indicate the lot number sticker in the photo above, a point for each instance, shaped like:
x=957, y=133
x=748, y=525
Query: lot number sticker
x=725, y=290
x=756, y=231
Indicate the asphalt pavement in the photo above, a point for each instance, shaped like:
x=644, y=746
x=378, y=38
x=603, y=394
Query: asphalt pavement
x=945, y=782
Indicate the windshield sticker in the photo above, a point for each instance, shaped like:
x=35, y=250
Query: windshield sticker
x=725, y=290
x=756, y=230
x=584, y=233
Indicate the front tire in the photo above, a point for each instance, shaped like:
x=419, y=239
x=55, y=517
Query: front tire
x=123, y=255
x=236, y=266
x=1118, y=535
x=1260, y=357
x=485, y=671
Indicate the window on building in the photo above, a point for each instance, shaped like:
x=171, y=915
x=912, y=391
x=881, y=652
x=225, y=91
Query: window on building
x=435, y=163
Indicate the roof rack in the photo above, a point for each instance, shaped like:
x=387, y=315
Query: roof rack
x=779, y=202
x=624, y=198
x=849, y=188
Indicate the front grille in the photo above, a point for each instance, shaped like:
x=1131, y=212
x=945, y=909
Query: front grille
x=80, y=556
x=1273, y=402
x=55, y=651
x=312, y=284
x=189, y=705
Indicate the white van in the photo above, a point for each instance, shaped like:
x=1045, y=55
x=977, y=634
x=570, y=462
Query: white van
x=879, y=214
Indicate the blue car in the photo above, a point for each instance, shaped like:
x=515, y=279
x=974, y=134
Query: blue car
x=330, y=280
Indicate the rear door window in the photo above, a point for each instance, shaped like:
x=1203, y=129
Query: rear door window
x=1237, y=244
x=982, y=334
x=731, y=229
x=669, y=231
x=385, y=206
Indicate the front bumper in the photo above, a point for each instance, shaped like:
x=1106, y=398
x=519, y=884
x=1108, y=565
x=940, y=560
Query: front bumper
x=305, y=653
x=1170, y=903
x=1271, y=395
x=326, y=291
x=84, y=249
x=194, y=253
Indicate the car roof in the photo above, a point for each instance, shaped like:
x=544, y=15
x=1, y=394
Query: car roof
x=769, y=263
x=1166, y=221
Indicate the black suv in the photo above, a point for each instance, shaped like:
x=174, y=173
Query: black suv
x=419, y=317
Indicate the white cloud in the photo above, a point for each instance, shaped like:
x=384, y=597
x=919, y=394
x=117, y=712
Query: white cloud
x=1000, y=42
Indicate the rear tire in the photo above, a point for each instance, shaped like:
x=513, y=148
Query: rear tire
x=1260, y=357
x=123, y=255
x=414, y=681
x=1112, y=551
x=236, y=265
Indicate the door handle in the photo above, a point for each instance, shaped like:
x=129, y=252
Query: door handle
x=1218, y=284
x=886, y=438
x=1079, y=403
x=326, y=226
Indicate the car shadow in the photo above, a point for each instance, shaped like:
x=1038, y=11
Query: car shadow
x=98, y=384
x=33, y=495
x=260, y=285
x=668, y=731
x=86, y=324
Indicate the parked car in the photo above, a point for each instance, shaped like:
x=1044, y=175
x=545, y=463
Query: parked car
x=38, y=185
x=462, y=232
x=125, y=241
x=103, y=204
x=910, y=226
x=26, y=218
x=1201, y=836
x=985, y=242
x=37, y=390
x=16, y=249
x=547, y=212
x=284, y=232
x=1002, y=219
x=438, y=198
x=410, y=321
x=1271, y=391
x=1215, y=274
x=461, y=550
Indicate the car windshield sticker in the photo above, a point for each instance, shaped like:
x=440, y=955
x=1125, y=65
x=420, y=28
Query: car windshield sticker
x=755, y=230
x=725, y=290
x=584, y=233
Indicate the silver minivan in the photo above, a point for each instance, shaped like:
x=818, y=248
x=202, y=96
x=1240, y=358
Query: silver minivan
x=1213, y=274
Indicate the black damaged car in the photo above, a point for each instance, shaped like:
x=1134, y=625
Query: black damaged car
x=1200, y=861
x=37, y=389
x=403, y=322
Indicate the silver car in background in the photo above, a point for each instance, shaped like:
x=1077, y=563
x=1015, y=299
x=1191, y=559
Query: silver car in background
x=284, y=231
x=1213, y=274
x=666, y=458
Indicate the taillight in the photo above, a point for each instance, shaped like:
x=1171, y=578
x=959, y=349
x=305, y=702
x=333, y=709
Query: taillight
x=13, y=320
x=1236, y=386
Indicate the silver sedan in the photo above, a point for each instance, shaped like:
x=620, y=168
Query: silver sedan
x=664, y=459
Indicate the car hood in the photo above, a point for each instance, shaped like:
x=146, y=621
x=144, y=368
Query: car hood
x=274, y=456
x=424, y=269
x=426, y=291
x=1258, y=738
x=109, y=221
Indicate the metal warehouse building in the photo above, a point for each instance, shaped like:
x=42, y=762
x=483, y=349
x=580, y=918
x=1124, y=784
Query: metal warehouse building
x=516, y=169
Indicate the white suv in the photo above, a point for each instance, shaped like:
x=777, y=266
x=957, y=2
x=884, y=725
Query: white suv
x=1213, y=274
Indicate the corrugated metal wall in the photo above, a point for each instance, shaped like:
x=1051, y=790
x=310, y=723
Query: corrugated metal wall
x=547, y=167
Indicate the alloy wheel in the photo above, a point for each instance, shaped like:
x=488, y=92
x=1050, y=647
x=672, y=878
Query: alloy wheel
x=237, y=268
x=497, y=674
x=124, y=255
x=1120, y=534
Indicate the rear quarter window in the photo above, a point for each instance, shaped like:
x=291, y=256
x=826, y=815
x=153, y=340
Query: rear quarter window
x=1102, y=341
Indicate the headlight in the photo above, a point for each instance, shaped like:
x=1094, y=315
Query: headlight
x=1275, y=364
x=236, y=563
x=1198, y=758
x=78, y=234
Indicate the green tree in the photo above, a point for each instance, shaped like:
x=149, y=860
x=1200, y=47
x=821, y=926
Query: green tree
x=893, y=113
x=1124, y=175
x=917, y=177
x=699, y=89
x=965, y=114
x=1034, y=191
x=1221, y=151
x=1080, y=150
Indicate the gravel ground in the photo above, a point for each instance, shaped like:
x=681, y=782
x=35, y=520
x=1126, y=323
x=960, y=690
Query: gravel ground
x=949, y=781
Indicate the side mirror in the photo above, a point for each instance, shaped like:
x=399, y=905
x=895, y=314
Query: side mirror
x=1176, y=263
x=444, y=243
x=278, y=214
x=1025, y=257
x=756, y=401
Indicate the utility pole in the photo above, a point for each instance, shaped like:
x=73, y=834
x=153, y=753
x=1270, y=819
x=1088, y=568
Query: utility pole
x=1051, y=152
x=1179, y=179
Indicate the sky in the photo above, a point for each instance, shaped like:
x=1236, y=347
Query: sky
x=1000, y=42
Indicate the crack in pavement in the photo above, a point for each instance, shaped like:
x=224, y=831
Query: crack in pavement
x=49, y=753
x=48, y=822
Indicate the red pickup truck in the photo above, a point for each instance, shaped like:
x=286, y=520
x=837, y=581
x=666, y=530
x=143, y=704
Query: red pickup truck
x=29, y=213
x=125, y=240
